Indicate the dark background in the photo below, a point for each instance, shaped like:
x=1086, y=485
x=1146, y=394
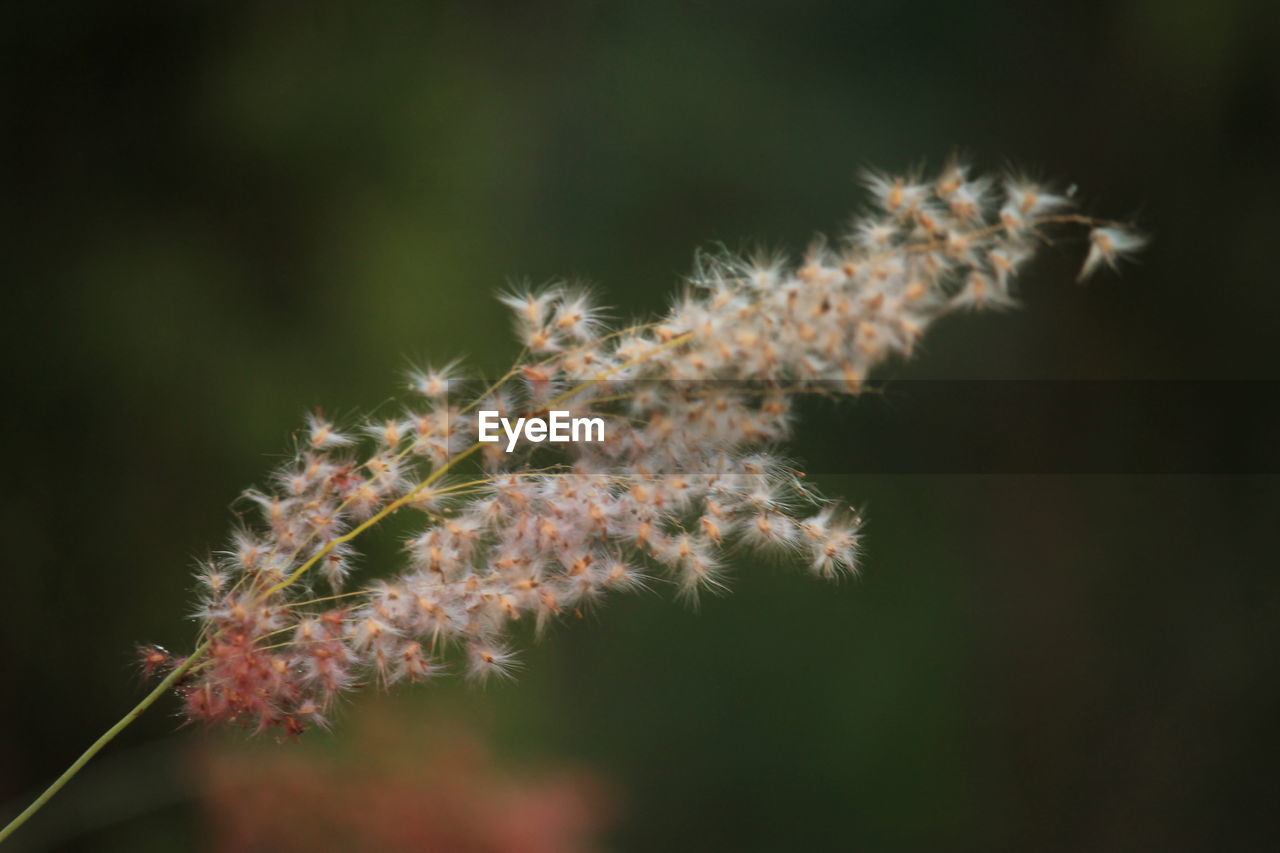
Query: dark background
x=216, y=216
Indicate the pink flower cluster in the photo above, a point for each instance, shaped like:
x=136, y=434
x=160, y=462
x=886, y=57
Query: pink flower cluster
x=696, y=403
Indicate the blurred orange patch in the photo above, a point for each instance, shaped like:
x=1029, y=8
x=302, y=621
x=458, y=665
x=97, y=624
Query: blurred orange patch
x=397, y=782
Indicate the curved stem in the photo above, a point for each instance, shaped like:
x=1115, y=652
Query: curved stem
x=107, y=736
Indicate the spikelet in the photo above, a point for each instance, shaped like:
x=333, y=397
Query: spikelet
x=686, y=474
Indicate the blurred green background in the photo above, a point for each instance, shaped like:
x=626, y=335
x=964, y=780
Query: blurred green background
x=217, y=216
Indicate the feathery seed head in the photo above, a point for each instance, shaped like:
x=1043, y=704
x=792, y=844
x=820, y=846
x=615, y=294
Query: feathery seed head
x=694, y=401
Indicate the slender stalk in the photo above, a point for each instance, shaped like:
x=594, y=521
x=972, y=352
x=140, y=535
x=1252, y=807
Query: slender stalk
x=107, y=736
x=173, y=677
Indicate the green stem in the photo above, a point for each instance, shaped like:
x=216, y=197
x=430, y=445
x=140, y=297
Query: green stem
x=107, y=736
